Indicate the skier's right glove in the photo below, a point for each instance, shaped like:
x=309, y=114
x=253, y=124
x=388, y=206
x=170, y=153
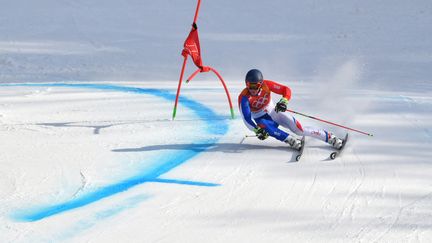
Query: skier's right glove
x=261, y=133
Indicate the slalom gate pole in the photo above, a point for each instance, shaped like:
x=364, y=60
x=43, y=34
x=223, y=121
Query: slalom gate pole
x=184, y=66
x=331, y=123
x=226, y=91
x=193, y=75
x=200, y=69
x=197, y=10
x=223, y=84
x=179, y=87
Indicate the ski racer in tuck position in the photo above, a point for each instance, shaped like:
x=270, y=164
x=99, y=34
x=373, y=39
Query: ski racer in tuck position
x=262, y=117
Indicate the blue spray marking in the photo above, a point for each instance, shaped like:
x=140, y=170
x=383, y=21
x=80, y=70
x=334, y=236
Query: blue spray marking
x=90, y=221
x=162, y=165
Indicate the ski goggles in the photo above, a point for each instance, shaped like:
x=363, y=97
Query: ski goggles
x=254, y=86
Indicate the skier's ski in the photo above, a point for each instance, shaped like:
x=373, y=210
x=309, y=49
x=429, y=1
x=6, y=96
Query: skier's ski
x=300, y=152
x=335, y=154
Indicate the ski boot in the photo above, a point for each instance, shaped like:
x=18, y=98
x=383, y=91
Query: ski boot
x=335, y=142
x=295, y=143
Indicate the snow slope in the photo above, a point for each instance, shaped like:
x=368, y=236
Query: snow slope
x=85, y=160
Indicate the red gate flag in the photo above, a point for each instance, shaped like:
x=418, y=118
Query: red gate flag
x=192, y=47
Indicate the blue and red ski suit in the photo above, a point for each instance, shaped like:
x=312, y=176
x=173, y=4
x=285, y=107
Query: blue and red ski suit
x=258, y=111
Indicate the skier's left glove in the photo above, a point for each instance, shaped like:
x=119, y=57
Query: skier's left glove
x=281, y=105
x=261, y=133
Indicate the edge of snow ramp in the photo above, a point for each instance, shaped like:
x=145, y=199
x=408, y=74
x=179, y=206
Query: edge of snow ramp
x=162, y=164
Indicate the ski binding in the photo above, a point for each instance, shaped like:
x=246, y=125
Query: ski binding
x=334, y=154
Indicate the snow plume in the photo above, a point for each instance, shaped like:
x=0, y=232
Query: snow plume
x=333, y=97
x=333, y=85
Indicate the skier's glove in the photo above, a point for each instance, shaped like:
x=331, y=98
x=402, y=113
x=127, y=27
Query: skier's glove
x=281, y=105
x=261, y=133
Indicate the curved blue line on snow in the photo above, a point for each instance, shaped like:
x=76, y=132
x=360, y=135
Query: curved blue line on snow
x=166, y=162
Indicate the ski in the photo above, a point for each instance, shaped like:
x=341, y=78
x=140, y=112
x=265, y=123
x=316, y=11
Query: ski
x=337, y=153
x=300, y=152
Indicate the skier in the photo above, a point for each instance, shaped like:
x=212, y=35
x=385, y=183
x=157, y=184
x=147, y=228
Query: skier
x=262, y=117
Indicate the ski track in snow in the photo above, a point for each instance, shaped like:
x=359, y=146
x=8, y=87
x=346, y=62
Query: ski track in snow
x=167, y=161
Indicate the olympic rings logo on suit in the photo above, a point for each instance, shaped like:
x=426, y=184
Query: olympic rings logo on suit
x=260, y=102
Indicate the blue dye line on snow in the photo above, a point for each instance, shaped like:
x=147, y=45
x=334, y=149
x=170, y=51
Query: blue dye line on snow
x=183, y=182
x=165, y=163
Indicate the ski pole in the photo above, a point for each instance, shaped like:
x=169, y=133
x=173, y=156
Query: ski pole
x=331, y=123
x=247, y=136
